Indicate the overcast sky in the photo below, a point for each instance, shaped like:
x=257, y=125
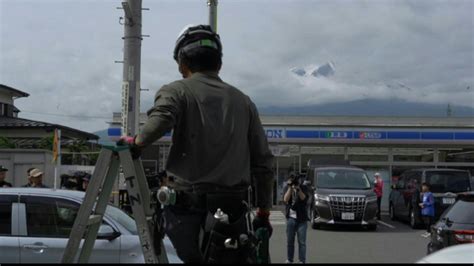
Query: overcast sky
x=62, y=52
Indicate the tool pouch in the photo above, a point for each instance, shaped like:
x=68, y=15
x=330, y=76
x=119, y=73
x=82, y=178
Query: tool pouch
x=239, y=247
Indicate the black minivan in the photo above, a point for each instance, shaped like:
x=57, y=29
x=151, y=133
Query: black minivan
x=342, y=195
x=445, y=185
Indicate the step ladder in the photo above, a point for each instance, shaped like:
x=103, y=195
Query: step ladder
x=89, y=219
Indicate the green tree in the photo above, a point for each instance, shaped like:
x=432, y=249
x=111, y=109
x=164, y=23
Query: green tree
x=6, y=143
x=46, y=143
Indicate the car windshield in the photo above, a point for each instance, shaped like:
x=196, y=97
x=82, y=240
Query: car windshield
x=461, y=212
x=342, y=179
x=122, y=218
x=445, y=181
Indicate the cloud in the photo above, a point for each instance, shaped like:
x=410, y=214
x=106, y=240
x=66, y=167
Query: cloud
x=424, y=44
x=64, y=53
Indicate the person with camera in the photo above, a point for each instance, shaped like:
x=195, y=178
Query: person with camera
x=219, y=149
x=296, y=196
x=69, y=182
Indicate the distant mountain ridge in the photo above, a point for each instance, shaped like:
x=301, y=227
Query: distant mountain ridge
x=371, y=107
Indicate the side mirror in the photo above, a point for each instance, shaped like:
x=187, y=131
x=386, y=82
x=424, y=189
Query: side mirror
x=448, y=222
x=107, y=232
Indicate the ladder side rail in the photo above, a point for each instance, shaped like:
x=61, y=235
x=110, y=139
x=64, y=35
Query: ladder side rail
x=85, y=210
x=143, y=186
x=137, y=204
x=145, y=193
x=101, y=205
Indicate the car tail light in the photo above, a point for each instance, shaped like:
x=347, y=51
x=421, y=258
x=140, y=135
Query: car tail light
x=464, y=236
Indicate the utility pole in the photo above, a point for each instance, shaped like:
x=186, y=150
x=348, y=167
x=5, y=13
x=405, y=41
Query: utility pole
x=449, y=110
x=212, y=14
x=131, y=66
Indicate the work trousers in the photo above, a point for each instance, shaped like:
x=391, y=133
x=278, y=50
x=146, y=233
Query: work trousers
x=185, y=223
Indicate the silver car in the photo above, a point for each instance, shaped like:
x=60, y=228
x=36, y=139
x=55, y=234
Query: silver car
x=35, y=225
x=456, y=254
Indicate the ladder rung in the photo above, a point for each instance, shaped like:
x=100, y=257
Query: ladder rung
x=93, y=219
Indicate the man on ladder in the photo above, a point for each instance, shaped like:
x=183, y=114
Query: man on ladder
x=218, y=149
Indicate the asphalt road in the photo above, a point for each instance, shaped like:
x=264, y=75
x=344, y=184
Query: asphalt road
x=393, y=242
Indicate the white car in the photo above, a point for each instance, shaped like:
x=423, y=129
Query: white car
x=463, y=253
x=35, y=225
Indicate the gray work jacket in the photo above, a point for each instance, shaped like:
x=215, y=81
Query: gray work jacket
x=218, y=138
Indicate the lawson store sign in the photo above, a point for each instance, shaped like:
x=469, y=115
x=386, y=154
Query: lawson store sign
x=359, y=134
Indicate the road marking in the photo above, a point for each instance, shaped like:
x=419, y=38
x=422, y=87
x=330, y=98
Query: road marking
x=277, y=218
x=386, y=224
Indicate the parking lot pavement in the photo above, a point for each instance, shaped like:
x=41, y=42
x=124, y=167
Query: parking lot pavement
x=392, y=242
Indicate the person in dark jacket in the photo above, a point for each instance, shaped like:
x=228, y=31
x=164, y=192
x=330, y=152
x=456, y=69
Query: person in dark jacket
x=416, y=198
x=427, y=208
x=296, y=196
x=219, y=147
x=3, y=176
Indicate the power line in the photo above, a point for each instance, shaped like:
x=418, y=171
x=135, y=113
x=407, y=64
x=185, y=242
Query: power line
x=63, y=115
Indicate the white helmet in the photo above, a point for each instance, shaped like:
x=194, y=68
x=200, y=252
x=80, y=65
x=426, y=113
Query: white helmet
x=196, y=36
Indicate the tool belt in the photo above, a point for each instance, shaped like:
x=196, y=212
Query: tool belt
x=223, y=242
x=229, y=201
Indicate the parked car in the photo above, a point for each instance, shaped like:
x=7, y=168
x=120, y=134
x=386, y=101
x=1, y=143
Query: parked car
x=455, y=254
x=35, y=225
x=342, y=195
x=445, y=185
x=456, y=225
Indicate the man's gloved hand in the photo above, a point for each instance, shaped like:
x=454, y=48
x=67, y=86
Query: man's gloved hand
x=262, y=219
x=126, y=140
x=135, y=150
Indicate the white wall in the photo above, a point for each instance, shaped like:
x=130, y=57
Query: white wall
x=18, y=161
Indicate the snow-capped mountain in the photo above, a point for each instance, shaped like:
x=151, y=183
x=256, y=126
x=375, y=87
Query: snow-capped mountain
x=325, y=70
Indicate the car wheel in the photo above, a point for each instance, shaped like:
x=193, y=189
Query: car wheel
x=429, y=248
x=413, y=220
x=392, y=213
x=313, y=224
